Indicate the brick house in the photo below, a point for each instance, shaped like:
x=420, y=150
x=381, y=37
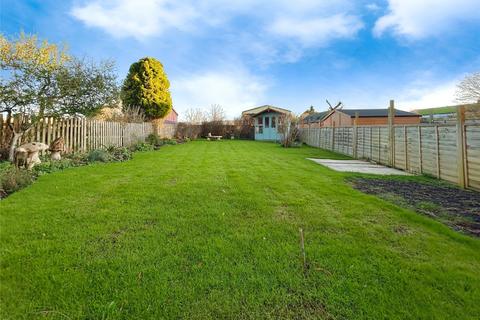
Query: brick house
x=171, y=117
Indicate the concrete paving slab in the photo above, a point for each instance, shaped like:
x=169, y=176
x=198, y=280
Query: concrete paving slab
x=359, y=166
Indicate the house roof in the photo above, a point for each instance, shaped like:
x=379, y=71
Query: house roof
x=376, y=113
x=265, y=108
x=315, y=117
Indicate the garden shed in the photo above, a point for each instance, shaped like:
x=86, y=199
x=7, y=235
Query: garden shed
x=266, y=120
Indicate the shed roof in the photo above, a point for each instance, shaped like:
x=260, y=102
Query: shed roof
x=315, y=117
x=265, y=108
x=377, y=113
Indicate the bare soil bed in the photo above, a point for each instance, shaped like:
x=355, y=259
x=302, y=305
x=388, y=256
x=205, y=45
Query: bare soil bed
x=458, y=208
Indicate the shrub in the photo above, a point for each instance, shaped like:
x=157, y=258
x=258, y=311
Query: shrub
x=289, y=131
x=13, y=179
x=99, y=155
x=78, y=158
x=142, y=146
x=170, y=141
x=48, y=166
x=119, y=153
x=154, y=139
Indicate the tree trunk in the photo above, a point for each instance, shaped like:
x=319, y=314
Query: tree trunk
x=16, y=137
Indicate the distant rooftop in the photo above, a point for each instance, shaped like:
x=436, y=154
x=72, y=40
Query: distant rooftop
x=264, y=108
x=315, y=117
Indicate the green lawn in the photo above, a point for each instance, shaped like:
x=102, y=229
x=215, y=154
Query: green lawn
x=210, y=230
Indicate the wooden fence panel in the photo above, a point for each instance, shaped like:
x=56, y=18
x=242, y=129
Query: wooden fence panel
x=399, y=148
x=361, y=140
x=472, y=138
x=430, y=149
x=83, y=134
x=448, y=153
x=383, y=145
x=413, y=156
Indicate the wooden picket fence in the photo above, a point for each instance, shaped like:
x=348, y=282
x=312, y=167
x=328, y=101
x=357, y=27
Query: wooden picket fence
x=449, y=152
x=81, y=134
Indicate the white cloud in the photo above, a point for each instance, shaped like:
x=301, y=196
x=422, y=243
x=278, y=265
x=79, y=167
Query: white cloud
x=234, y=89
x=317, y=31
x=419, y=97
x=418, y=19
x=138, y=19
x=309, y=22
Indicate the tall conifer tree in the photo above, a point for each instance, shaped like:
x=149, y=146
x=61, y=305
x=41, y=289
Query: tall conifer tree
x=146, y=86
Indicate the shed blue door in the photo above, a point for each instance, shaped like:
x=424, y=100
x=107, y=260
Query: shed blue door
x=266, y=126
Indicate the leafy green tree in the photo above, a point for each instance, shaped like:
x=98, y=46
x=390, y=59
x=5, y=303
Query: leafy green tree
x=147, y=86
x=40, y=79
x=85, y=87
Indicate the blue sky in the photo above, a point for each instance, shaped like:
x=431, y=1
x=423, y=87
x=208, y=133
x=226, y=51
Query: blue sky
x=293, y=54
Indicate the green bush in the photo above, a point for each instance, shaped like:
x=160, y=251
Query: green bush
x=142, y=146
x=109, y=154
x=154, y=139
x=119, y=153
x=78, y=158
x=99, y=155
x=170, y=141
x=13, y=179
x=48, y=166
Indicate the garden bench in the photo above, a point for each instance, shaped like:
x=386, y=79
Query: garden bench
x=209, y=137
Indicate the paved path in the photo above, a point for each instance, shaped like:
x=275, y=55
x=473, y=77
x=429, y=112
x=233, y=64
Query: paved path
x=359, y=166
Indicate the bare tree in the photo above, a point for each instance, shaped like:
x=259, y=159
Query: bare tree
x=195, y=116
x=215, y=121
x=192, y=127
x=216, y=113
x=468, y=90
x=288, y=129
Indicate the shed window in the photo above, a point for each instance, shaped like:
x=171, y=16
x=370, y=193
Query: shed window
x=273, y=122
x=260, y=129
x=267, y=122
x=260, y=121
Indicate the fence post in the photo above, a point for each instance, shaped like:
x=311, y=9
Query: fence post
x=355, y=135
x=461, y=146
x=420, y=156
x=391, y=133
x=406, y=146
x=437, y=149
